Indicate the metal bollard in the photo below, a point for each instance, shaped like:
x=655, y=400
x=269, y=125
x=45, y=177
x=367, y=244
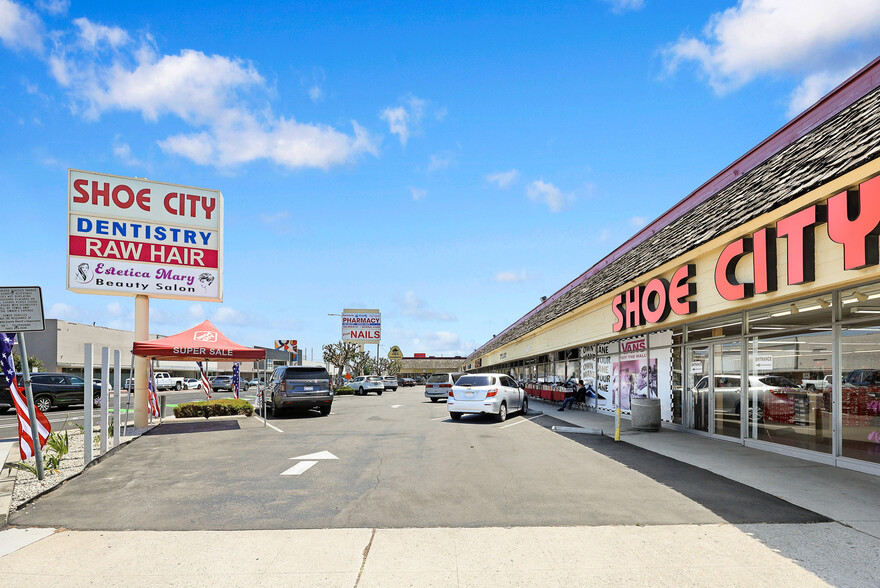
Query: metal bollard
x=88, y=374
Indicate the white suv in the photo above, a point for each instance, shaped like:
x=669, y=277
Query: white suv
x=438, y=385
x=494, y=394
x=363, y=385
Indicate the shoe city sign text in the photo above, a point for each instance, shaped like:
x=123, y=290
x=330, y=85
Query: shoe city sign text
x=852, y=218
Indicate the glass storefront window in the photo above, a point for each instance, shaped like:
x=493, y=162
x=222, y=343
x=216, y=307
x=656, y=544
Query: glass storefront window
x=676, y=379
x=726, y=326
x=801, y=315
x=727, y=389
x=860, y=303
x=787, y=402
x=860, y=392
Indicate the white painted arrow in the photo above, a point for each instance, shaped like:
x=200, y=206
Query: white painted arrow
x=298, y=468
x=319, y=455
x=396, y=405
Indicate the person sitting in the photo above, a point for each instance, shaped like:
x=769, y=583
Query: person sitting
x=579, y=396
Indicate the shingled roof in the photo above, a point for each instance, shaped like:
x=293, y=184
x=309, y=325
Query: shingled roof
x=842, y=143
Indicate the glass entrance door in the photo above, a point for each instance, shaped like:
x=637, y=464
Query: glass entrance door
x=698, y=388
x=727, y=388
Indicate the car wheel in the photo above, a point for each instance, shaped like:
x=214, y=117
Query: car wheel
x=455, y=415
x=325, y=410
x=502, y=413
x=96, y=401
x=178, y=386
x=43, y=403
x=525, y=406
x=379, y=392
x=434, y=399
x=361, y=392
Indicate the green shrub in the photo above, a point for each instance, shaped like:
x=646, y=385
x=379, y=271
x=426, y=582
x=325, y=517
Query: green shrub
x=209, y=408
x=343, y=390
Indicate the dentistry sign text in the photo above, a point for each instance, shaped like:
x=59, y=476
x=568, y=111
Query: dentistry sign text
x=128, y=236
x=851, y=218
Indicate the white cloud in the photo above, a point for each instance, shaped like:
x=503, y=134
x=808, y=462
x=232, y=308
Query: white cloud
x=412, y=305
x=229, y=316
x=761, y=37
x=503, y=179
x=114, y=309
x=814, y=87
x=315, y=93
x=19, y=27
x=638, y=221
x=277, y=221
x=92, y=34
x=404, y=120
x=197, y=312
x=63, y=312
x=511, y=276
x=208, y=92
x=417, y=193
x=553, y=197
x=619, y=6
x=122, y=152
x=440, y=161
x=54, y=7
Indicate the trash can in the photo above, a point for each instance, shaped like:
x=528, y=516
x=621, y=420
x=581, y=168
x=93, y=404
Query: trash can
x=645, y=414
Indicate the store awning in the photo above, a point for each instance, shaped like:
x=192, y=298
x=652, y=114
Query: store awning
x=202, y=342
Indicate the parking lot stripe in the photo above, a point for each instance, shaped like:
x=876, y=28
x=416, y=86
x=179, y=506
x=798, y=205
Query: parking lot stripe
x=298, y=468
x=521, y=422
x=268, y=424
x=443, y=418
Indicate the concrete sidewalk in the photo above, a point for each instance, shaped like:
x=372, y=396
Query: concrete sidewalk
x=850, y=497
x=673, y=555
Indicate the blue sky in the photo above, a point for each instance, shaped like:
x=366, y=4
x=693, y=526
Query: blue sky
x=447, y=163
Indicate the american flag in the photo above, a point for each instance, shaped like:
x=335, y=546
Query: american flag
x=154, y=398
x=25, y=441
x=206, y=383
x=235, y=378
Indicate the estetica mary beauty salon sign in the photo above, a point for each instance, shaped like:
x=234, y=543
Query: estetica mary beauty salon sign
x=128, y=236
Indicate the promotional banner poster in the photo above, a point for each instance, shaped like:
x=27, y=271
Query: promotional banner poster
x=603, y=376
x=662, y=374
x=588, y=365
x=630, y=375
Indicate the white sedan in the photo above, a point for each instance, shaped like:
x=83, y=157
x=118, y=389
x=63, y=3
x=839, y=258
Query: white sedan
x=495, y=394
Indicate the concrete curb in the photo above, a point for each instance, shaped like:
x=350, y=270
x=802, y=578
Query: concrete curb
x=94, y=461
x=7, y=484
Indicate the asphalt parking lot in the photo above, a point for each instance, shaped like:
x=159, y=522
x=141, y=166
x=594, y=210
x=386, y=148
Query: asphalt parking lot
x=390, y=461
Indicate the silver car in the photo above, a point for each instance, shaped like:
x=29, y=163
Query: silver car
x=495, y=394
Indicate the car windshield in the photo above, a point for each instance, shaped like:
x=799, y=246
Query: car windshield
x=390, y=378
x=475, y=381
x=374, y=379
x=438, y=378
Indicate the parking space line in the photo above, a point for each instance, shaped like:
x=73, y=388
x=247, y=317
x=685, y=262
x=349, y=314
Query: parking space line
x=268, y=424
x=521, y=422
x=440, y=418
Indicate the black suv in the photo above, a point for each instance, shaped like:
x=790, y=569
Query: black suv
x=299, y=387
x=52, y=389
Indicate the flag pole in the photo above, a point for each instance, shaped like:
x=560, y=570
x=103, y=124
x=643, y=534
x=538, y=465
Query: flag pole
x=29, y=391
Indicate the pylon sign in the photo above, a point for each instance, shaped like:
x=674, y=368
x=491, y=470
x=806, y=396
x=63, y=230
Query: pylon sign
x=395, y=353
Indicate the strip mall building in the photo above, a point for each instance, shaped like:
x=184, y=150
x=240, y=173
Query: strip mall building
x=751, y=309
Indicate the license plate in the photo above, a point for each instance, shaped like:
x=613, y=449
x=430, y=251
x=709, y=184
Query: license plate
x=308, y=388
x=469, y=394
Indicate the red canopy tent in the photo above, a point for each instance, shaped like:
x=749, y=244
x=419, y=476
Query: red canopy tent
x=202, y=342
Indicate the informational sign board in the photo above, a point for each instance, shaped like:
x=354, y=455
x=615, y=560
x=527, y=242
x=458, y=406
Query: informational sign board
x=21, y=309
x=764, y=363
x=286, y=345
x=361, y=325
x=696, y=367
x=395, y=353
x=129, y=236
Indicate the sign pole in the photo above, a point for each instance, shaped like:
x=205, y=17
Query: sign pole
x=141, y=370
x=29, y=391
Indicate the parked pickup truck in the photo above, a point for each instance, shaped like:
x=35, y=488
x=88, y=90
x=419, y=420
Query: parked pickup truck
x=164, y=381
x=824, y=383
